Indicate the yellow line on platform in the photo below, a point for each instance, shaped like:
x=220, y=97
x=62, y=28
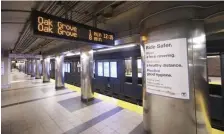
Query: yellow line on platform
x=121, y=103
x=215, y=131
x=215, y=83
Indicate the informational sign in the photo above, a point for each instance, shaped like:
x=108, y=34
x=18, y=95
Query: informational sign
x=52, y=26
x=2, y=68
x=167, y=68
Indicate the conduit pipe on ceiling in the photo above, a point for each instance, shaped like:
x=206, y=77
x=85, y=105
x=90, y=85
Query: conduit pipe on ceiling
x=212, y=15
x=14, y=10
x=11, y=22
x=176, y=7
x=70, y=8
x=208, y=17
x=94, y=14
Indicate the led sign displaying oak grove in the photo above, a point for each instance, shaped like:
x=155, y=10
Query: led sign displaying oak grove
x=52, y=26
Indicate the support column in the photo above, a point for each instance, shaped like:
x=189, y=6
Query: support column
x=5, y=70
x=59, y=72
x=164, y=112
x=41, y=67
x=86, y=59
x=29, y=67
x=38, y=65
x=221, y=125
x=20, y=68
x=25, y=66
x=33, y=68
x=26, y=69
x=46, y=70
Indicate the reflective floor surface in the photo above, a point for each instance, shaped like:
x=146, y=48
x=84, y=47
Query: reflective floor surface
x=33, y=107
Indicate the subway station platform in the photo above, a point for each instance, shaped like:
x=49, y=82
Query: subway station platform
x=33, y=107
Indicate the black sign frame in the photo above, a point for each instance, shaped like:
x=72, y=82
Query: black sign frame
x=34, y=25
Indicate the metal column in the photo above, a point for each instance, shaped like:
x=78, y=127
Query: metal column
x=46, y=70
x=6, y=66
x=59, y=72
x=38, y=65
x=29, y=67
x=33, y=68
x=25, y=67
x=86, y=59
x=221, y=125
x=166, y=115
x=41, y=67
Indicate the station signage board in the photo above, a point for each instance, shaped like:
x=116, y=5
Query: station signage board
x=166, y=65
x=46, y=25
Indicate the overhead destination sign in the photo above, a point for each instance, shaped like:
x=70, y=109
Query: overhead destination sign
x=55, y=27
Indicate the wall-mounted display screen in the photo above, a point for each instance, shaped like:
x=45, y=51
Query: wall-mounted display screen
x=100, y=68
x=113, y=69
x=106, y=69
x=55, y=27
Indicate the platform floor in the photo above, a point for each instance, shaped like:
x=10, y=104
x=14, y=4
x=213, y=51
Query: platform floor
x=33, y=107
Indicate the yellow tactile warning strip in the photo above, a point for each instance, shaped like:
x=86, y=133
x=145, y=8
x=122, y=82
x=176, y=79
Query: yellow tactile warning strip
x=120, y=103
x=215, y=83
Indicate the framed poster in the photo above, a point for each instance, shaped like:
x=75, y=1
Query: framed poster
x=166, y=65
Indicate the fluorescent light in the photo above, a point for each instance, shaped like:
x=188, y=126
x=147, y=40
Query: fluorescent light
x=72, y=54
x=198, y=39
x=116, y=42
x=215, y=56
x=51, y=57
x=69, y=54
x=116, y=48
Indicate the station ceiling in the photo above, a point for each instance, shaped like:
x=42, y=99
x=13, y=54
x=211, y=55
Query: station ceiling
x=124, y=18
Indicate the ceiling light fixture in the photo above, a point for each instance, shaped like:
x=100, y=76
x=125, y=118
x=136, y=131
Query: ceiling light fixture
x=69, y=54
x=116, y=48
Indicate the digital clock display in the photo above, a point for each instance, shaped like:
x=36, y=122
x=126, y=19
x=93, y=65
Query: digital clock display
x=54, y=27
